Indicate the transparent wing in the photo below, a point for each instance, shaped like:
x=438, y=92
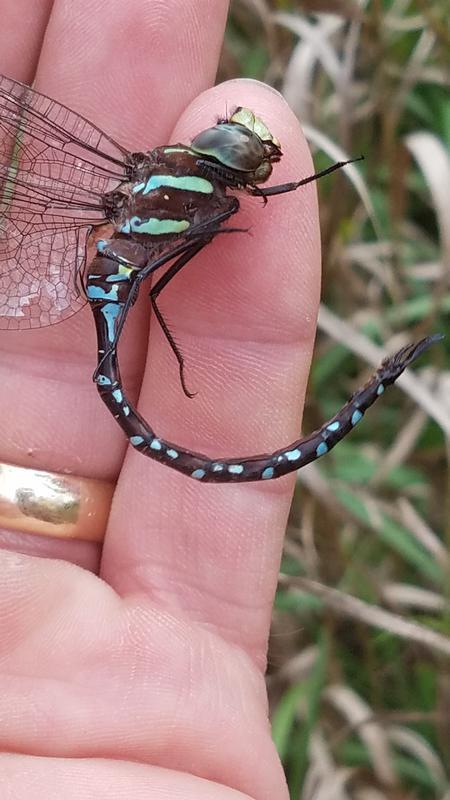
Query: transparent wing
x=49, y=293
x=55, y=168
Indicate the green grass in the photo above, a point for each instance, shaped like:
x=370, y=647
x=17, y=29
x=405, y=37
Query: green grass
x=359, y=659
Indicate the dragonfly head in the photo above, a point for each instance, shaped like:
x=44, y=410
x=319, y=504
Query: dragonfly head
x=242, y=143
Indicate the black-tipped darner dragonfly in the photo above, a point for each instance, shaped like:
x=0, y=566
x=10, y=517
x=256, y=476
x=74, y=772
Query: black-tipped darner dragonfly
x=61, y=178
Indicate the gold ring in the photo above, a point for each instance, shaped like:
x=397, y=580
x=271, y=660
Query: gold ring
x=53, y=504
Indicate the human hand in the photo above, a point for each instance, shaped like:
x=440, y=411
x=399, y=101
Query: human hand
x=148, y=678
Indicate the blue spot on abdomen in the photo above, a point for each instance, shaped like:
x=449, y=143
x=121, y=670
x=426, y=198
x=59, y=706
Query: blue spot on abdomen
x=293, y=455
x=356, y=416
x=235, y=469
x=333, y=426
x=198, y=474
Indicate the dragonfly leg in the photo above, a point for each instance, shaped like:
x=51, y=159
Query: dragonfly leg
x=155, y=291
x=220, y=173
x=107, y=265
x=229, y=178
x=159, y=286
x=282, y=188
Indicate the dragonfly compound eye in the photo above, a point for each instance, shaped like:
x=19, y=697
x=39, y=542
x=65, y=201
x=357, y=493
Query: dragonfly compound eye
x=232, y=145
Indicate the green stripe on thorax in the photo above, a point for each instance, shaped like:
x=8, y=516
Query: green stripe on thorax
x=187, y=183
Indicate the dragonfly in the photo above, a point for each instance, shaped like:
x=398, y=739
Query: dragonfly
x=62, y=180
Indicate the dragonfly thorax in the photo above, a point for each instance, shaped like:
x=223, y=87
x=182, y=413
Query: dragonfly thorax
x=169, y=194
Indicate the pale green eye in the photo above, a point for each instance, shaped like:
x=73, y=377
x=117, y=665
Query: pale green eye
x=246, y=117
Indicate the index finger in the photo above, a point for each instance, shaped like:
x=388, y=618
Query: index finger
x=244, y=313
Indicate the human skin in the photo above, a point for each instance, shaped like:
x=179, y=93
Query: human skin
x=137, y=670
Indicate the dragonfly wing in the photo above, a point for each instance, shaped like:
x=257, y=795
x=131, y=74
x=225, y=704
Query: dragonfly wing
x=40, y=297
x=55, y=169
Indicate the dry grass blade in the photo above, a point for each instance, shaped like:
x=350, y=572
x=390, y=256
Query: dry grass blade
x=421, y=751
x=316, y=38
x=336, y=153
x=332, y=786
x=422, y=532
x=403, y=596
x=434, y=161
x=299, y=667
x=354, y=608
x=360, y=718
x=402, y=446
x=312, y=49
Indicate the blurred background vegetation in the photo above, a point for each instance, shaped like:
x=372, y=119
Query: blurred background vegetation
x=358, y=673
